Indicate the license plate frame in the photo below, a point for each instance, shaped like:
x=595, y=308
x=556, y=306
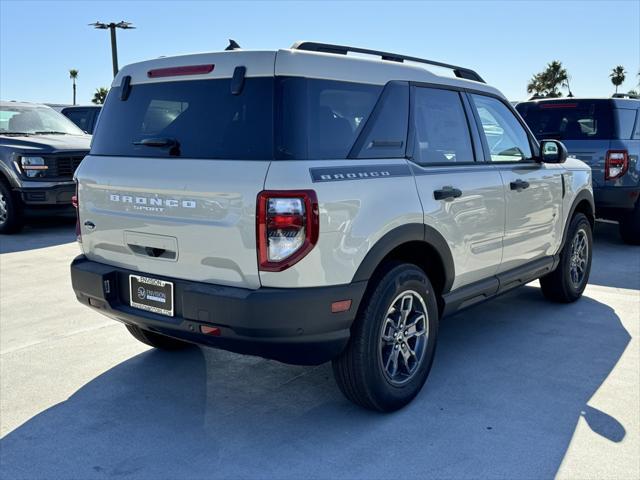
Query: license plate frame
x=152, y=295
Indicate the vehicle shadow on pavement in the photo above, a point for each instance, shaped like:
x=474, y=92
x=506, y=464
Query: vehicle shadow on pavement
x=610, y=271
x=510, y=381
x=40, y=233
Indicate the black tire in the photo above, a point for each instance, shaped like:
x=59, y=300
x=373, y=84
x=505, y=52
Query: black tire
x=630, y=226
x=559, y=286
x=157, y=340
x=360, y=370
x=10, y=211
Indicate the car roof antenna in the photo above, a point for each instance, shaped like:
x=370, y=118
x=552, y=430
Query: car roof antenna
x=233, y=45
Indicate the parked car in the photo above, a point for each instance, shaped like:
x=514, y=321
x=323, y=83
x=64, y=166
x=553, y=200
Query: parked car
x=308, y=205
x=40, y=150
x=605, y=134
x=84, y=116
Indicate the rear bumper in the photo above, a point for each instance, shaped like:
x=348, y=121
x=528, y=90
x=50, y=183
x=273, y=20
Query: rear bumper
x=612, y=202
x=47, y=195
x=290, y=325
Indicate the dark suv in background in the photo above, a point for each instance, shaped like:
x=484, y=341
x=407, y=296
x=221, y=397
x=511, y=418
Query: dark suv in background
x=84, y=116
x=604, y=133
x=40, y=150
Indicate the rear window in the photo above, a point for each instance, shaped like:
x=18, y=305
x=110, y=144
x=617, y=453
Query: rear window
x=202, y=116
x=281, y=117
x=569, y=120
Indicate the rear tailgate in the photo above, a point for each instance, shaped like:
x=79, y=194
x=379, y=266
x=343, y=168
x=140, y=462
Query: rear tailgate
x=200, y=213
x=591, y=152
x=176, y=165
x=585, y=126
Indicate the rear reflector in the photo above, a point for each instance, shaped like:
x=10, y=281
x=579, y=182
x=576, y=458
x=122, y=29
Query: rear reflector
x=340, y=306
x=176, y=71
x=207, y=330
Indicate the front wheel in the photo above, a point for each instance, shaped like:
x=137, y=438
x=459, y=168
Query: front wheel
x=393, y=341
x=567, y=282
x=10, y=211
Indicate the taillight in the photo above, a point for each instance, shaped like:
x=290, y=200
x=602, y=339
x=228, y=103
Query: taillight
x=74, y=202
x=616, y=164
x=288, y=225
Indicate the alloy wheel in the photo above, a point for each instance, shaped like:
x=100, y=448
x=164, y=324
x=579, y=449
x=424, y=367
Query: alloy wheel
x=579, y=258
x=3, y=209
x=403, y=337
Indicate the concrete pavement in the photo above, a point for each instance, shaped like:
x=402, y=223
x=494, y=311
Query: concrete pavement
x=520, y=389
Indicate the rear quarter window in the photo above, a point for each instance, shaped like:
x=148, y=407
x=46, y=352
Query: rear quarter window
x=625, y=120
x=321, y=119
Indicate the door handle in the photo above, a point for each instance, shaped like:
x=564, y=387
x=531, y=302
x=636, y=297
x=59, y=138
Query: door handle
x=447, y=193
x=519, y=185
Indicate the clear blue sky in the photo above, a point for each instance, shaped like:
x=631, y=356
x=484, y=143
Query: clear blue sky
x=506, y=42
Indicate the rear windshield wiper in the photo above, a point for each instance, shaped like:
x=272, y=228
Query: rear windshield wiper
x=161, y=142
x=157, y=142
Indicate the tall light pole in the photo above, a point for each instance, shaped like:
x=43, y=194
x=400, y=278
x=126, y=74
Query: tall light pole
x=114, y=48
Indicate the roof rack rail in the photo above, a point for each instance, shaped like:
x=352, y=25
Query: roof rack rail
x=459, y=72
x=625, y=95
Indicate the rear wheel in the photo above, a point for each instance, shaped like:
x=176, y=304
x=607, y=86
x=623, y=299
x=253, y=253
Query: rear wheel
x=630, y=226
x=393, y=341
x=10, y=212
x=156, y=340
x=567, y=282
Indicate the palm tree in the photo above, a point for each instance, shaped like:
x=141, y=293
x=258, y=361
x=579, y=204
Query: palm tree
x=73, y=75
x=548, y=82
x=100, y=95
x=555, y=77
x=536, y=86
x=617, y=76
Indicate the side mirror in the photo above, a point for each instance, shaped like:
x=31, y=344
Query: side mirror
x=553, y=151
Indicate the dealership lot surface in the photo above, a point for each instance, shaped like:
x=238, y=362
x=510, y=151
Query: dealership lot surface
x=520, y=388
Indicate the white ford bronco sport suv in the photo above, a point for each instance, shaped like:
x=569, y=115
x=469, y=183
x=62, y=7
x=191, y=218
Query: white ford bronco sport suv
x=308, y=205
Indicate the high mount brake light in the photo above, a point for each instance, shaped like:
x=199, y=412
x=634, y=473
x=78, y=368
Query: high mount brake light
x=287, y=227
x=177, y=71
x=558, y=105
x=616, y=164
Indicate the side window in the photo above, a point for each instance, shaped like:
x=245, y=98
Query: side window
x=441, y=127
x=624, y=120
x=636, y=133
x=79, y=117
x=507, y=139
